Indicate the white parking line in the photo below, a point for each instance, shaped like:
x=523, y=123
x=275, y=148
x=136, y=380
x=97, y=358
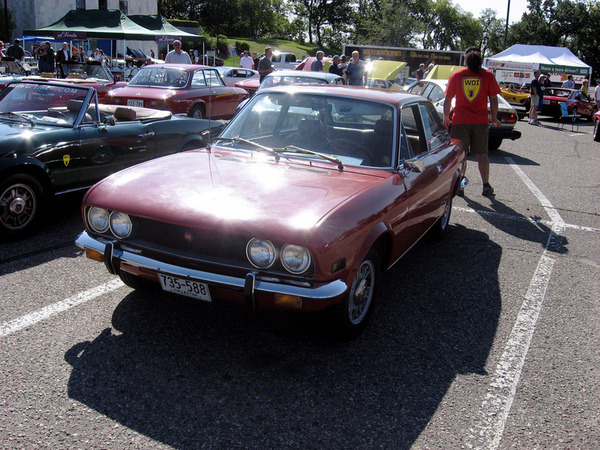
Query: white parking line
x=50, y=310
x=488, y=428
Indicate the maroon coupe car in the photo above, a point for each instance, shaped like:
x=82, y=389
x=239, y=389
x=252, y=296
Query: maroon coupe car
x=301, y=202
x=576, y=100
x=197, y=91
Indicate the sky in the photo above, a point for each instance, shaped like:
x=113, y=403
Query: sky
x=517, y=7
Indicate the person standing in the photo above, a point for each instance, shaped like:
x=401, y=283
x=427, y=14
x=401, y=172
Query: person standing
x=256, y=60
x=265, y=66
x=335, y=66
x=62, y=56
x=356, y=70
x=317, y=64
x=16, y=51
x=81, y=56
x=585, y=86
x=472, y=87
x=597, y=94
x=421, y=72
x=535, y=92
x=48, y=57
x=569, y=84
x=246, y=60
x=177, y=56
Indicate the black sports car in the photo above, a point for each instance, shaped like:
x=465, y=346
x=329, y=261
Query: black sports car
x=55, y=138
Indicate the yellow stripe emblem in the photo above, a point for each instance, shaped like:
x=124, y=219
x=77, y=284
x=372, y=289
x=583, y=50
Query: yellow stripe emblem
x=471, y=87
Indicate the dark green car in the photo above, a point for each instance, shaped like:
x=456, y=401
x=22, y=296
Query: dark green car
x=55, y=138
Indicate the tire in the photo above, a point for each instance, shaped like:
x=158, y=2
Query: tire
x=597, y=130
x=353, y=313
x=494, y=143
x=21, y=199
x=138, y=283
x=438, y=230
x=197, y=112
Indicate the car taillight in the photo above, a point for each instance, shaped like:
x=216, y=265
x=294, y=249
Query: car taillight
x=507, y=117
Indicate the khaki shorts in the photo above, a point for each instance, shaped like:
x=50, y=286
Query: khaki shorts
x=473, y=136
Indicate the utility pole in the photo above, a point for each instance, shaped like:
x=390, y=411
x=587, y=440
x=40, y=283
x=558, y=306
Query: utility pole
x=506, y=29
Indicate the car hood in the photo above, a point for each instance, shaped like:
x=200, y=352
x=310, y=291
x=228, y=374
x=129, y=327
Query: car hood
x=241, y=193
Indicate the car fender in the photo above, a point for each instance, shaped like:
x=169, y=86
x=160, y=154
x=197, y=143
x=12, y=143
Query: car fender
x=29, y=166
x=379, y=237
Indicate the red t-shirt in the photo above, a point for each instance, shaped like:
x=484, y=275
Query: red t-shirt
x=471, y=91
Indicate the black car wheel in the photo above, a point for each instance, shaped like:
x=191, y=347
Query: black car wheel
x=597, y=130
x=438, y=230
x=20, y=203
x=197, y=112
x=353, y=313
x=494, y=143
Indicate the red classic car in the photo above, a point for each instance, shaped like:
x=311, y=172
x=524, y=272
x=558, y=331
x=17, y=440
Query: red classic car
x=306, y=196
x=198, y=91
x=597, y=126
x=577, y=102
x=90, y=74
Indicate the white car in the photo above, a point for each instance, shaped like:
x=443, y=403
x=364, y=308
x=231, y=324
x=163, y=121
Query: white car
x=435, y=90
x=232, y=75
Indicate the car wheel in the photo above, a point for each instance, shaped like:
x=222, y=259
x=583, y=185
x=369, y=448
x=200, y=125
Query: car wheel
x=494, y=143
x=196, y=112
x=438, y=230
x=597, y=130
x=353, y=313
x=137, y=283
x=20, y=204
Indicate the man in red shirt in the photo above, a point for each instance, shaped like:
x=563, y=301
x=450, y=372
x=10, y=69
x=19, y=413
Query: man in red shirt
x=472, y=87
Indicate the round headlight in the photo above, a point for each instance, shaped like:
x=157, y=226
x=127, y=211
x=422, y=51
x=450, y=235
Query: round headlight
x=261, y=253
x=294, y=258
x=120, y=224
x=97, y=219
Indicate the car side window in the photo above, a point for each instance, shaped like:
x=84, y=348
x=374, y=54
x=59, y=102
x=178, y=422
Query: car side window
x=436, y=94
x=198, y=79
x=435, y=132
x=212, y=78
x=412, y=125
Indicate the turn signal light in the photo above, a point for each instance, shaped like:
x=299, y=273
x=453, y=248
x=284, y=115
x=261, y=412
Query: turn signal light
x=94, y=255
x=288, y=301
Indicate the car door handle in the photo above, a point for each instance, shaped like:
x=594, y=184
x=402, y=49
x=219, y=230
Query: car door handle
x=149, y=134
x=439, y=168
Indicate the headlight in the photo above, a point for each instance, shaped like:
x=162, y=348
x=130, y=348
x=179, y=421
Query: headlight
x=294, y=258
x=261, y=253
x=97, y=219
x=120, y=224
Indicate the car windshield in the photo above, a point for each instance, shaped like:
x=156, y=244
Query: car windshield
x=354, y=131
x=93, y=70
x=163, y=77
x=43, y=103
x=10, y=67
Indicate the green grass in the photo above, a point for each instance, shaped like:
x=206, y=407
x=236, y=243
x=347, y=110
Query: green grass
x=281, y=45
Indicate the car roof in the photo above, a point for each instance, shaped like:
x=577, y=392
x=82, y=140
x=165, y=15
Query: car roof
x=381, y=95
x=190, y=67
x=306, y=74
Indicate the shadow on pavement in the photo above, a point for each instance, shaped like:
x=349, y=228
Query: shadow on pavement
x=191, y=375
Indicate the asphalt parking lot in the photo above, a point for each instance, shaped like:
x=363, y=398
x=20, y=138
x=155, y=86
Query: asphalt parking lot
x=485, y=339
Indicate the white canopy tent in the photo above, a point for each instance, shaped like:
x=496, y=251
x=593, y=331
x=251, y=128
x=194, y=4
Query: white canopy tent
x=516, y=64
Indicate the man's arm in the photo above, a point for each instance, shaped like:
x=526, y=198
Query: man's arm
x=447, y=106
x=494, y=110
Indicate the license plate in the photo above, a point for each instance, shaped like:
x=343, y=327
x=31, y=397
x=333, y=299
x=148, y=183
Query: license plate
x=185, y=287
x=138, y=103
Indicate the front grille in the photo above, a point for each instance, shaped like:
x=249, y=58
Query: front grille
x=198, y=247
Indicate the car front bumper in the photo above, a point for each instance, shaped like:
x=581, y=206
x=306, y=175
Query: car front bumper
x=253, y=289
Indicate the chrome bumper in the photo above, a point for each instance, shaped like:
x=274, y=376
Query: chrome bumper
x=250, y=285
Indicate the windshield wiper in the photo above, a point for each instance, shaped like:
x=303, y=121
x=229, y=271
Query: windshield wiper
x=310, y=152
x=18, y=116
x=254, y=144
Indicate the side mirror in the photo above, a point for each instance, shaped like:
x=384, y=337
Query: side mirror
x=109, y=120
x=414, y=165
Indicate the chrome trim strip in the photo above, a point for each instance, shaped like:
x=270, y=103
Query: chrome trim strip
x=322, y=293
